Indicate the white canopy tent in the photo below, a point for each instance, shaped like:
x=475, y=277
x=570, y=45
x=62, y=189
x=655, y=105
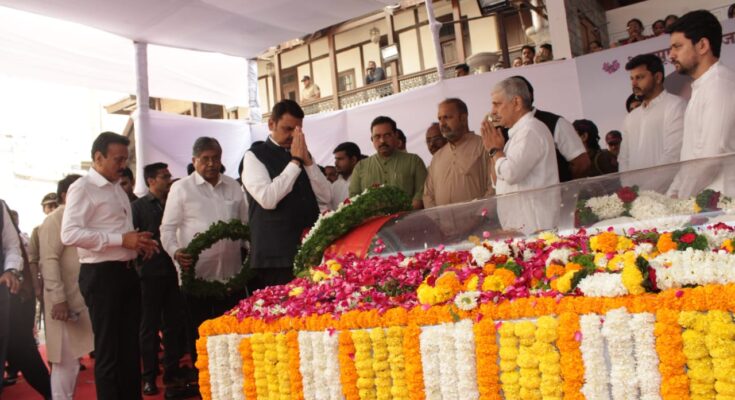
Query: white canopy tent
x=82, y=55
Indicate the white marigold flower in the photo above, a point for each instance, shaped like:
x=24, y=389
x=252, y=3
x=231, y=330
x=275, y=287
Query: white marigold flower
x=467, y=301
x=561, y=255
x=481, y=255
x=500, y=248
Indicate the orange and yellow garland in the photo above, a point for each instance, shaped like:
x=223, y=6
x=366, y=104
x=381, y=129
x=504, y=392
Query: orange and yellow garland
x=667, y=305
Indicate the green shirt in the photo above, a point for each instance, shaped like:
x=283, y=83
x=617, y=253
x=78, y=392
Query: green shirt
x=403, y=170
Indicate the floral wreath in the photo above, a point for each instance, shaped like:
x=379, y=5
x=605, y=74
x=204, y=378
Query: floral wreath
x=197, y=287
x=373, y=202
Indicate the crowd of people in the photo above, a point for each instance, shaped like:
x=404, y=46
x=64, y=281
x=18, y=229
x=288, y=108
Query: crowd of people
x=107, y=262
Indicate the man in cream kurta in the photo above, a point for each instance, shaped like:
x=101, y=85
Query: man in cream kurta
x=68, y=326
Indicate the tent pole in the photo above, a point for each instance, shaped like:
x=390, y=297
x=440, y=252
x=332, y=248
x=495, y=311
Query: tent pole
x=253, y=100
x=142, y=119
x=435, y=26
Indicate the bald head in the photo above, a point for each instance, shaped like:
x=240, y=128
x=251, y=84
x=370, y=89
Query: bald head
x=434, y=138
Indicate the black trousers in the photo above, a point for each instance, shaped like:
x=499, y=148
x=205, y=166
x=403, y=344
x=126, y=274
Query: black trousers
x=265, y=277
x=4, y=328
x=22, y=350
x=162, y=311
x=111, y=291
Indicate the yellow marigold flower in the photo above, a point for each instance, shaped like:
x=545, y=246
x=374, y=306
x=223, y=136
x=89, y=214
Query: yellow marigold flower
x=470, y=284
x=728, y=246
x=525, y=329
x=493, y=283
x=633, y=279
x=334, y=266
x=564, y=283
x=606, y=242
x=665, y=243
x=296, y=291
x=624, y=244
x=697, y=208
x=318, y=276
x=548, y=237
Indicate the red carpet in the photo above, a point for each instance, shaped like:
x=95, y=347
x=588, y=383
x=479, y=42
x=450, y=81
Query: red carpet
x=85, y=385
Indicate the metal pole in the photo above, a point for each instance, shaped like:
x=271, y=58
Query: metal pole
x=141, y=120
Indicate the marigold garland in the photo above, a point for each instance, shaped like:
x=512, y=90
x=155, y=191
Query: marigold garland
x=721, y=345
x=347, y=371
x=260, y=375
x=381, y=366
x=271, y=365
x=509, y=376
x=549, y=360
x=248, y=369
x=364, y=365
x=202, y=364
x=397, y=362
x=699, y=361
x=284, y=383
x=668, y=332
x=294, y=365
x=486, y=349
x=412, y=356
x=672, y=362
x=570, y=360
x=528, y=361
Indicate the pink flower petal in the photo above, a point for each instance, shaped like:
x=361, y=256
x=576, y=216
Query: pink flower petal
x=679, y=293
x=578, y=336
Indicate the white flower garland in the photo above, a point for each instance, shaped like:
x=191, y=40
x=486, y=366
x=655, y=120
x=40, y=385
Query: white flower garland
x=217, y=350
x=331, y=380
x=319, y=365
x=306, y=364
x=603, y=284
x=235, y=361
x=645, y=207
x=429, y=344
x=448, y=365
x=593, y=354
x=676, y=269
x=464, y=344
x=606, y=207
x=620, y=350
x=649, y=378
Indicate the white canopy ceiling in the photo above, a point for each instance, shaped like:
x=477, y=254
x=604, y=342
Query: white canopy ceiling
x=243, y=28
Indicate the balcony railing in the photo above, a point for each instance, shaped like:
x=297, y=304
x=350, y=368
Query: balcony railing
x=369, y=93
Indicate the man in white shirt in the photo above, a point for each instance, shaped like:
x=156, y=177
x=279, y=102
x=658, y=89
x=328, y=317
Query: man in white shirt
x=346, y=156
x=572, y=160
x=653, y=131
x=283, y=185
x=9, y=278
x=193, y=204
x=709, y=121
x=526, y=161
x=98, y=221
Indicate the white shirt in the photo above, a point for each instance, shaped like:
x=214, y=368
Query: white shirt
x=193, y=205
x=340, y=191
x=652, y=134
x=530, y=158
x=11, y=243
x=567, y=140
x=97, y=215
x=709, y=130
x=269, y=192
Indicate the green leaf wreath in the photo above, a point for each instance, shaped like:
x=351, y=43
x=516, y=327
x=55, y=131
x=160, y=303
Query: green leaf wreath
x=374, y=202
x=234, y=230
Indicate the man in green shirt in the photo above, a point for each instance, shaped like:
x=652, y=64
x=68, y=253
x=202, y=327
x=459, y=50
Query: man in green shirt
x=389, y=166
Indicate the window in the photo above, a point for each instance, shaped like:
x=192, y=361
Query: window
x=346, y=80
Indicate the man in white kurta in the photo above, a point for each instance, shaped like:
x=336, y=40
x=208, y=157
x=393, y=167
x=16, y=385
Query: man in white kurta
x=709, y=121
x=68, y=326
x=652, y=132
x=526, y=161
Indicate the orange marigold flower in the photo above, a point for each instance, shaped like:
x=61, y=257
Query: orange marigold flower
x=554, y=271
x=606, y=242
x=488, y=269
x=665, y=243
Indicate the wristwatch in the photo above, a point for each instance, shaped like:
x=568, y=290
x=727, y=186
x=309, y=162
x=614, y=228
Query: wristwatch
x=493, y=151
x=18, y=275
